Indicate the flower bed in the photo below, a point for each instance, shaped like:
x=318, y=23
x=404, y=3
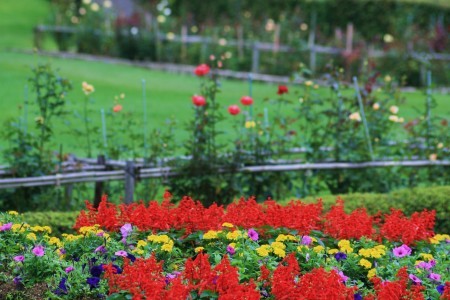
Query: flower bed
x=248, y=251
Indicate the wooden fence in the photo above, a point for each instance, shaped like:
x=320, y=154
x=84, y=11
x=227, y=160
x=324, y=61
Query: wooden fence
x=131, y=171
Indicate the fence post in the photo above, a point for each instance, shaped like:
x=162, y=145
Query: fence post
x=130, y=174
x=311, y=44
x=37, y=37
x=99, y=184
x=255, y=57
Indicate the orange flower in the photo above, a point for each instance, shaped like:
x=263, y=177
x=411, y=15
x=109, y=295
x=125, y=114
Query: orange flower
x=117, y=108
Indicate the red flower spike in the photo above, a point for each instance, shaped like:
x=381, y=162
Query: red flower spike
x=282, y=89
x=198, y=100
x=234, y=110
x=202, y=70
x=247, y=100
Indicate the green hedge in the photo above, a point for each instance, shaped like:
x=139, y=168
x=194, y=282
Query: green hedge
x=60, y=222
x=408, y=200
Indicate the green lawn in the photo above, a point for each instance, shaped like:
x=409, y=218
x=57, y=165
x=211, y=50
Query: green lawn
x=168, y=95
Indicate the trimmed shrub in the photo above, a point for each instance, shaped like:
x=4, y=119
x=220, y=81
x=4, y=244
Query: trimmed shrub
x=60, y=222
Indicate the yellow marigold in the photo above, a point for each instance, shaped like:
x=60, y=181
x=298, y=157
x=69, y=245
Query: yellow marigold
x=426, y=256
x=167, y=247
x=17, y=227
x=279, y=252
x=308, y=83
x=174, y=267
x=234, y=235
x=152, y=237
x=263, y=250
x=332, y=251
x=48, y=229
x=87, y=88
x=377, y=253
x=441, y=237
x=141, y=243
x=250, y=124
x=36, y=228
x=371, y=273
x=31, y=236
x=211, y=234
x=88, y=229
x=318, y=249
x=163, y=239
x=199, y=249
x=346, y=249
x=138, y=251
x=13, y=213
x=71, y=237
x=279, y=245
x=281, y=238
x=226, y=224
x=365, y=263
x=344, y=243
x=293, y=238
x=55, y=241
x=365, y=252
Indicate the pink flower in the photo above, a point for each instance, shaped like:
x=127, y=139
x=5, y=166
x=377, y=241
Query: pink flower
x=69, y=269
x=306, y=240
x=424, y=265
x=201, y=70
x=125, y=230
x=117, y=108
x=231, y=250
x=234, y=110
x=198, y=100
x=6, y=226
x=253, y=234
x=343, y=277
x=402, y=251
x=121, y=253
x=434, y=276
x=19, y=258
x=415, y=279
x=100, y=249
x=38, y=251
x=246, y=100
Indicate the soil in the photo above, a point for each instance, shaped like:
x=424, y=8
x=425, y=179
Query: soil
x=17, y=292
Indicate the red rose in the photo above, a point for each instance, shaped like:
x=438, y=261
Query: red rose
x=282, y=89
x=202, y=70
x=234, y=110
x=247, y=100
x=198, y=100
x=117, y=108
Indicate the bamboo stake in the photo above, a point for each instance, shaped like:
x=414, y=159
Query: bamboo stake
x=363, y=117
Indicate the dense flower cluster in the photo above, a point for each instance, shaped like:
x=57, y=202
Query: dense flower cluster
x=248, y=251
x=248, y=214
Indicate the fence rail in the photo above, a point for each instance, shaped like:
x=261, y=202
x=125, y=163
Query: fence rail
x=130, y=173
x=257, y=46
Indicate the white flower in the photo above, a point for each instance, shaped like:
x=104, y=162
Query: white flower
x=376, y=106
x=393, y=118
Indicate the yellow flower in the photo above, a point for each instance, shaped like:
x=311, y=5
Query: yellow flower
x=433, y=157
x=376, y=106
x=250, y=124
x=234, y=235
x=418, y=262
x=393, y=118
x=365, y=252
x=318, y=249
x=87, y=88
x=226, y=224
x=440, y=145
x=13, y=213
x=332, y=251
x=365, y=263
x=48, y=229
x=199, y=249
x=278, y=245
x=308, y=83
x=71, y=237
x=316, y=86
x=279, y=252
x=31, y=236
x=138, y=251
x=347, y=249
x=55, y=241
x=371, y=273
x=167, y=247
x=387, y=78
x=232, y=245
x=211, y=234
x=263, y=250
x=426, y=256
x=141, y=243
x=287, y=237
